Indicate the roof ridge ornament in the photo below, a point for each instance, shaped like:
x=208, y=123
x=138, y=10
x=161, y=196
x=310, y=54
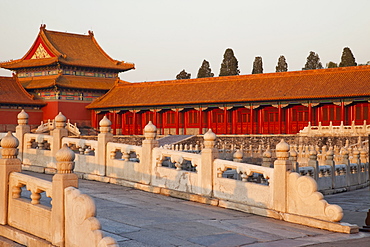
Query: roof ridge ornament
x=91, y=33
x=43, y=27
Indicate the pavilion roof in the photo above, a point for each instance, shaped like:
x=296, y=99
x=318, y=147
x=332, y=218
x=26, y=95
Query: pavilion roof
x=298, y=85
x=51, y=47
x=68, y=81
x=12, y=93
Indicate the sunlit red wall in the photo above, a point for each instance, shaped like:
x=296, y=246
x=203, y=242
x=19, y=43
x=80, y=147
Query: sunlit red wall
x=75, y=111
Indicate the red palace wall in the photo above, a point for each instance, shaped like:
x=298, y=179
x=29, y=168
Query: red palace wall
x=75, y=111
x=8, y=118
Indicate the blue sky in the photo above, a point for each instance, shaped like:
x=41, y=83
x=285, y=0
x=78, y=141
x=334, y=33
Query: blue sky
x=162, y=37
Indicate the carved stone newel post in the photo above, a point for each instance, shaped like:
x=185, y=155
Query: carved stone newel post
x=330, y=162
x=147, y=161
x=58, y=133
x=282, y=166
x=63, y=179
x=21, y=129
x=104, y=137
x=206, y=169
x=266, y=158
x=8, y=163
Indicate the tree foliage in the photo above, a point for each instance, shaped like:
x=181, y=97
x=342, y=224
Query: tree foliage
x=183, y=75
x=331, y=65
x=229, y=65
x=205, y=70
x=347, y=58
x=282, y=65
x=257, y=66
x=313, y=62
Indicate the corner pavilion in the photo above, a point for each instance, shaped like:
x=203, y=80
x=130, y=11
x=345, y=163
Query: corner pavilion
x=67, y=71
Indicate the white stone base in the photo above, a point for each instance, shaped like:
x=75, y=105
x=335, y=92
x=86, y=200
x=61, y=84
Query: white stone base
x=23, y=238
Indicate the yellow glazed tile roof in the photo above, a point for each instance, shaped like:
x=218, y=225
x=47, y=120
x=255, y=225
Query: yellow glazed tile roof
x=69, y=49
x=297, y=85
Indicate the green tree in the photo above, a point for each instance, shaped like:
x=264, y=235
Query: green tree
x=257, y=66
x=282, y=65
x=183, y=75
x=313, y=62
x=205, y=70
x=229, y=65
x=331, y=65
x=347, y=58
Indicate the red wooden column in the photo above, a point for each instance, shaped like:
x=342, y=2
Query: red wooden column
x=251, y=120
x=225, y=120
x=94, y=119
x=177, y=120
x=161, y=121
x=200, y=115
x=260, y=119
x=114, y=123
x=279, y=119
x=233, y=121
x=185, y=117
x=288, y=117
x=123, y=123
x=353, y=113
x=209, y=119
x=310, y=113
x=318, y=114
x=134, y=122
x=97, y=121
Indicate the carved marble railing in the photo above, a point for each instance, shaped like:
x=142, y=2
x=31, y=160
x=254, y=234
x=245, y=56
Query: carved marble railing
x=342, y=130
x=177, y=159
x=45, y=127
x=73, y=128
x=123, y=161
x=81, y=146
x=256, y=182
x=50, y=125
x=25, y=218
x=341, y=177
x=176, y=170
x=183, y=147
x=86, y=160
x=28, y=214
x=38, y=150
x=275, y=192
x=38, y=141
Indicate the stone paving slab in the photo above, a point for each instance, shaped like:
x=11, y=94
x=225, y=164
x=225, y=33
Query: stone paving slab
x=138, y=218
x=223, y=240
x=355, y=205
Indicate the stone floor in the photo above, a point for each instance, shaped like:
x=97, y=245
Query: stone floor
x=138, y=218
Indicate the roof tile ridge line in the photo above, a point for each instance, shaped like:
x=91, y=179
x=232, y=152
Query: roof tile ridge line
x=30, y=96
x=179, y=81
x=116, y=62
x=67, y=33
x=305, y=72
x=48, y=43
